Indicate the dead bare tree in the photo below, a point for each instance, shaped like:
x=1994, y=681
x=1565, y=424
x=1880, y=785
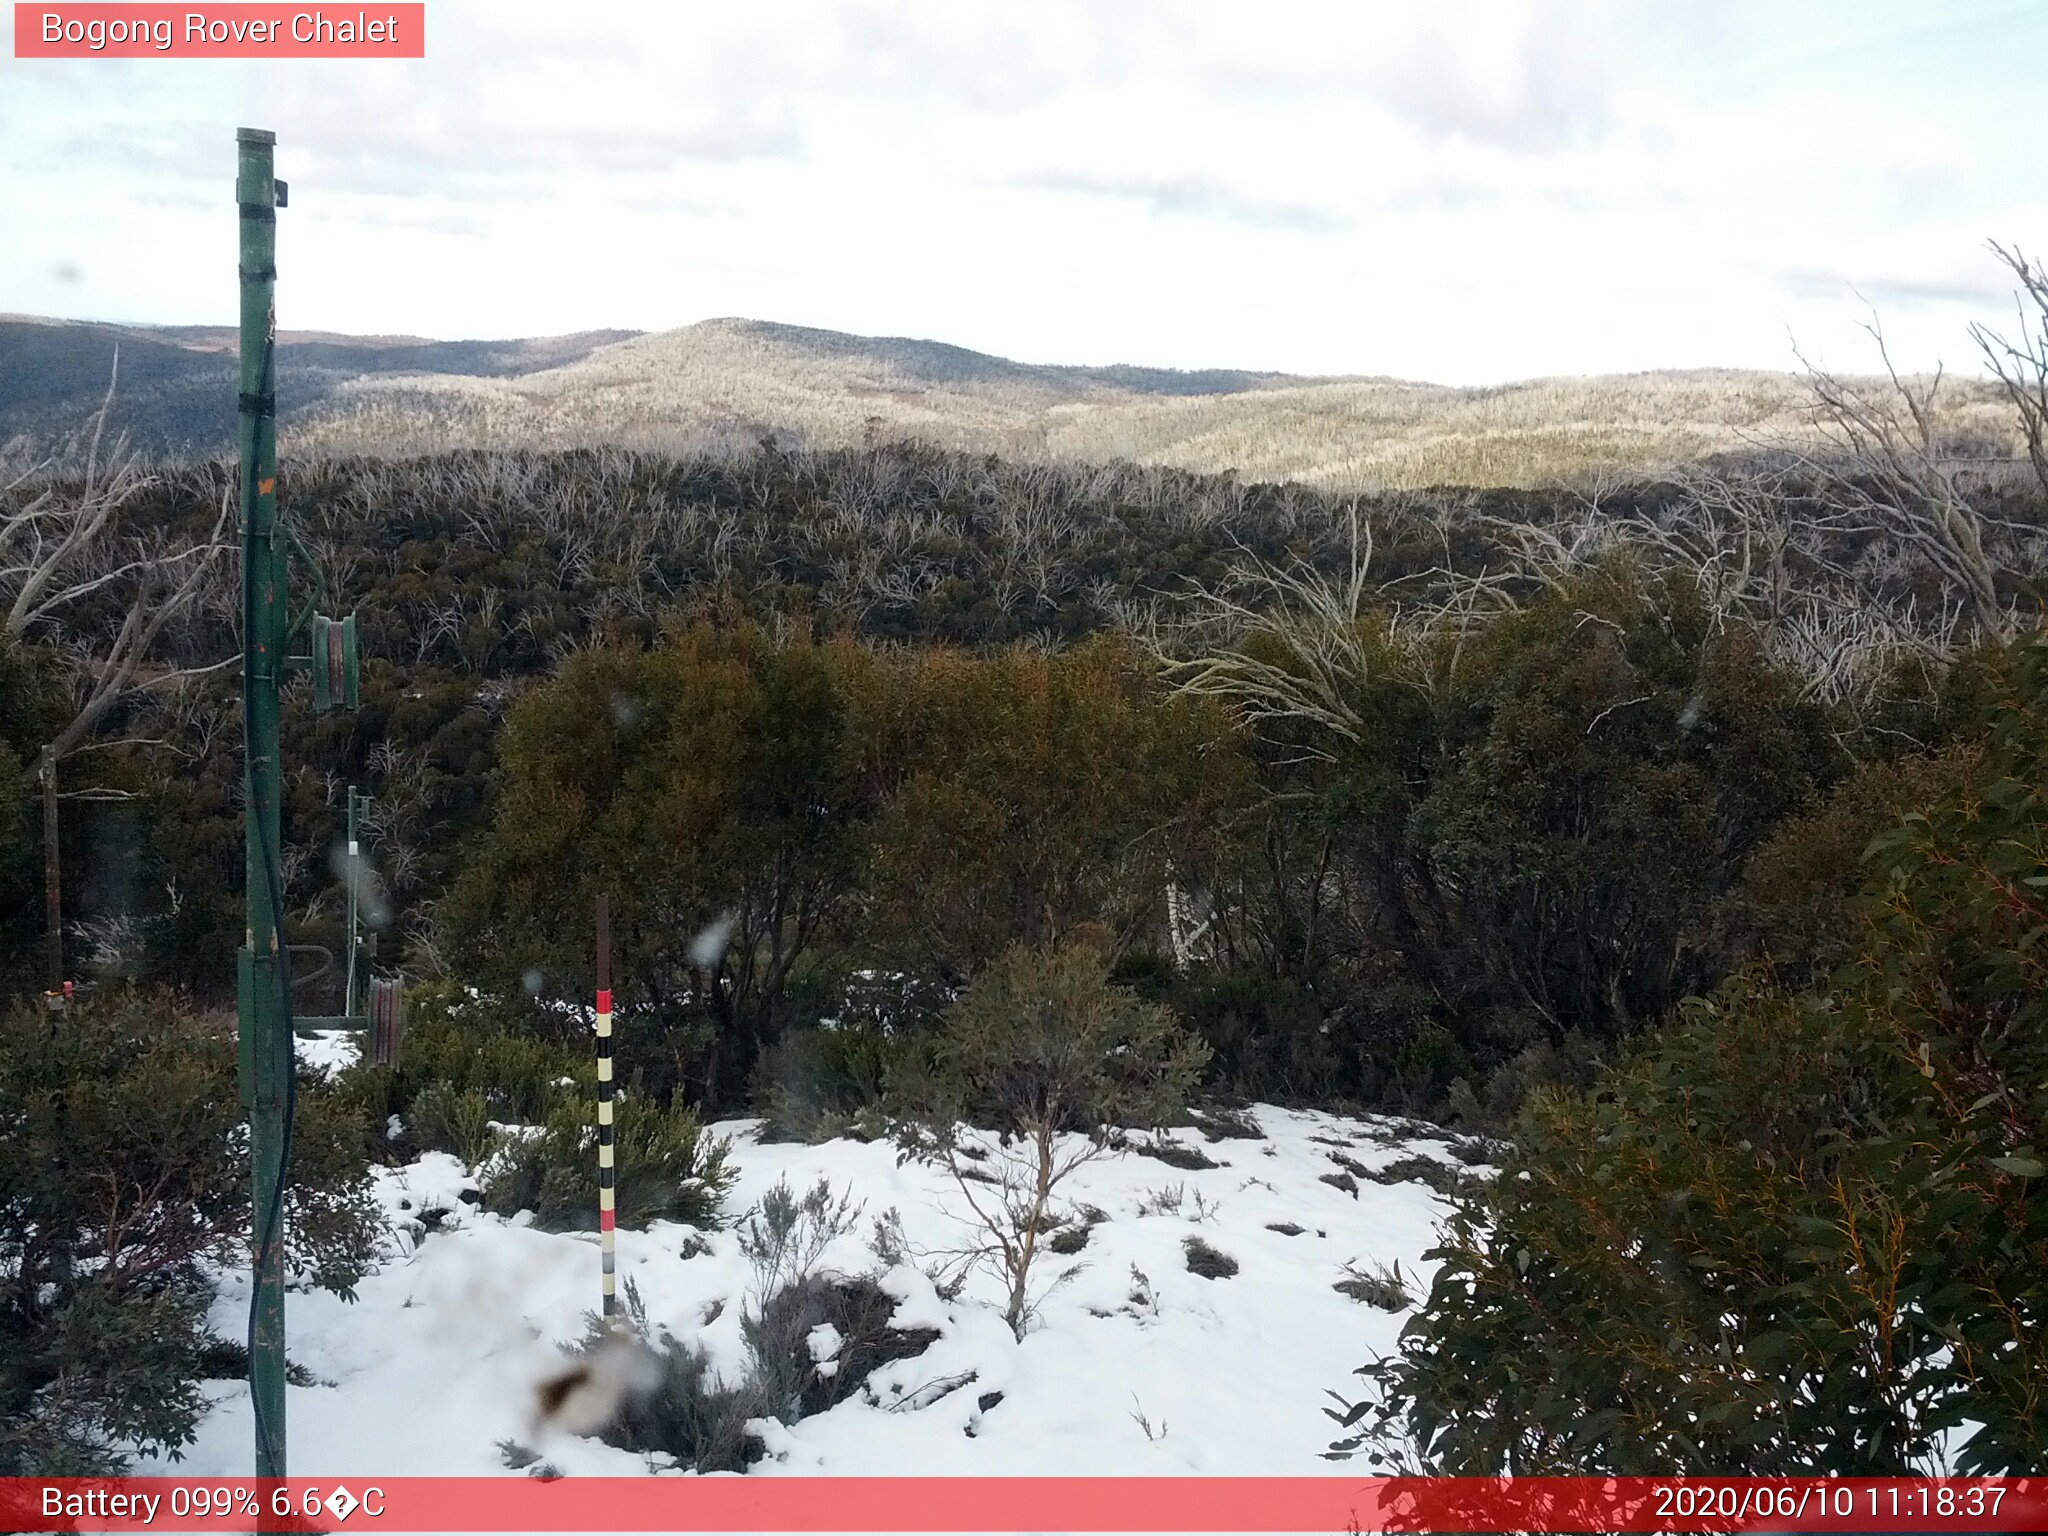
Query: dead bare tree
x=1827, y=551
x=1317, y=631
x=1889, y=475
x=61, y=544
x=2022, y=364
x=1834, y=595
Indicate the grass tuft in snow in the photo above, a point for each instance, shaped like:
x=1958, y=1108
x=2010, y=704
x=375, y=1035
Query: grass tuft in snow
x=1441, y=1177
x=1378, y=1286
x=1175, y=1154
x=1227, y=1124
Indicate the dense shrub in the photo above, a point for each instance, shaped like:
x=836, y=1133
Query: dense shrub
x=668, y=1168
x=443, y=1118
x=681, y=1408
x=24, y=707
x=705, y=788
x=475, y=575
x=820, y=1083
x=1031, y=795
x=1474, y=843
x=1796, y=908
x=1265, y=1033
x=125, y=1179
x=831, y=1075
x=1611, y=757
x=1799, y=1233
x=465, y=1062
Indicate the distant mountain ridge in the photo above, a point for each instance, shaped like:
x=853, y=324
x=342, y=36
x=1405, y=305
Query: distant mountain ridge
x=733, y=381
x=940, y=362
x=177, y=383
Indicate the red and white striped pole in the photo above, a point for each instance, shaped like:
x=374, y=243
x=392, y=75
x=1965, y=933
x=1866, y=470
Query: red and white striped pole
x=607, y=1212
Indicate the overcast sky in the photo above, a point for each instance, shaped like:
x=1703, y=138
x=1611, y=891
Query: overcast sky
x=1462, y=190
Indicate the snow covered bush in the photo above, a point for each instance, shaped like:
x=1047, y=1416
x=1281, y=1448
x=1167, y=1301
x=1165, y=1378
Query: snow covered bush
x=686, y=1411
x=816, y=1342
x=812, y=1334
x=1043, y=1051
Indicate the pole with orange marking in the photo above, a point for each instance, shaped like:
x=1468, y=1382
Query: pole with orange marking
x=607, y=1212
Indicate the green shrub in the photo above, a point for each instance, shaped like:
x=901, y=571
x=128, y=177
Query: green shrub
x=1040, y=1046
x=668, y=1169
x=442, y=1118
x=1798, y=908
x=705, y=783
x=819, y=1083
x=125, y=1178
x=1797, y=1233
x=1666, y=1275
x=465, y=1044
x=1526, y=829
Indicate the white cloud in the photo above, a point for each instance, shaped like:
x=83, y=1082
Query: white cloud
x=1463, y=190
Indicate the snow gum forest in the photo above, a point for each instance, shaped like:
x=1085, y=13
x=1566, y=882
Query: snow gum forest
x=1116, y=969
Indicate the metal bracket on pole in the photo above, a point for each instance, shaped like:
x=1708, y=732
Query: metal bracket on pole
x=383, y=1026
x=333, y=663
x=357, y=804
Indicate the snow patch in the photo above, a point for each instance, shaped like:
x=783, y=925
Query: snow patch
x=1131, y=1363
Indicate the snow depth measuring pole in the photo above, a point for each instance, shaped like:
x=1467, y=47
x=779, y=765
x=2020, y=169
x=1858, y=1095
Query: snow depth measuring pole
x=267, y=1059
x=607, y=1168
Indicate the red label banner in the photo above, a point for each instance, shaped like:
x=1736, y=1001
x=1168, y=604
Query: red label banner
x=1005, y=1504
x=88, y=31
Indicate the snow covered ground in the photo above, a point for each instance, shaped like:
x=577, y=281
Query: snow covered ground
x=1134, y=1364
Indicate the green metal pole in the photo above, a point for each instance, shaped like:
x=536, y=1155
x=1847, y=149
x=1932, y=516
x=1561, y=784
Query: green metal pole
x=266, y=1046
x=355, y=875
